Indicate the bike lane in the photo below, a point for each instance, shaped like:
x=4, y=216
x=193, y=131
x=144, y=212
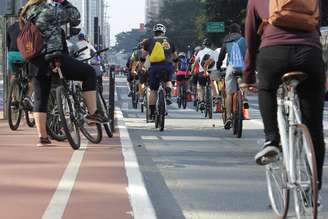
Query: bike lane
x=39, y=182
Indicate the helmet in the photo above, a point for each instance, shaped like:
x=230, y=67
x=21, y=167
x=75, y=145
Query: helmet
x=206, y=42
x=182, y=54
x=197, y=49
x=81, y=36
x=159, y=28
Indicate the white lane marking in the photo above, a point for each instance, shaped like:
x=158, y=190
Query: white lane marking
x=139, y=197
x=59, y=200
x=149, y=137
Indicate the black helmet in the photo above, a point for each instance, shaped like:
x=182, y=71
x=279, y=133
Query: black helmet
x=206, y=42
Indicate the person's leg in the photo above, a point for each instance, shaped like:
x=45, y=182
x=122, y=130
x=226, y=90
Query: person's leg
x=230, y=88
x=311, y=94
x=153, y=85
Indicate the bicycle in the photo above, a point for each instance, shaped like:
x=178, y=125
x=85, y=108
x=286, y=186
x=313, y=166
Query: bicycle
x=182, y=98
x=72, y=108
x=160, y=111
x=208, y=100
x=135, y=95
x=295, y=169
x=18, y=90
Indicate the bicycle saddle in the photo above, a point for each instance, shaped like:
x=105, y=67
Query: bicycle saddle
x=50, y=56
x=296, y=75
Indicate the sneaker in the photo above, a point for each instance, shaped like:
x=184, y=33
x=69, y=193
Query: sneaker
x=268, y=154
x=202, y=106
x=97, y=117
x=43, y=142
x=28, y=103
x=130, y=94
x=227, y=124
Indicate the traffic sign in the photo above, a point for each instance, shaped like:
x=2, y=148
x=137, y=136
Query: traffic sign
x=215, y=27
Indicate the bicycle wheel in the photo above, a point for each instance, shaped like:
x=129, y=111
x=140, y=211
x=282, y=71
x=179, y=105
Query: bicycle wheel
x=54, y=125
x=92, y=131
x=29, y=119
x=161, y=110
x=276, y=177
x=147, y=105
x=306, y=193
x=184, y=98
x=67, y=117
x=14, y=110
x=209, y=103
x=104, y=108
x=238, y=118
x=111, y=102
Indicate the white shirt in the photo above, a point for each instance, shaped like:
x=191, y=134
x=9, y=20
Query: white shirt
x=224, y=63
x=86, y=53
x=213, y=55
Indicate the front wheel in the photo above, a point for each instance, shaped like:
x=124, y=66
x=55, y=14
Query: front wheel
x=306, y=193
x=67, y=116
x=238, y=116
x=14, y=109
x=276, y=177
x=29, y=119
x=105, y=110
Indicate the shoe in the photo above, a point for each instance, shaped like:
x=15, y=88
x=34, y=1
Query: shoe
x=28, y=103
x=97, y=117
x=130, y=94
x=227, y=124
x=202, y=106
x=268, y=154
x=43, y=142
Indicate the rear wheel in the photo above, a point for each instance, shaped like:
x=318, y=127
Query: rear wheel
x=54, y=125
x=276, y=177
x=161, y=109
x=29, y=119
x=105, y=110
x=67, y=117
x=306, y=193
x=238, y=118
x=14, y=108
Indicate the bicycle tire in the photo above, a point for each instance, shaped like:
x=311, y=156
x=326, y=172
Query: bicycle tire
x=92, y=132
x=147, y=105
x=184, y=98
x=53, y=125
x=111, y=102
x=276, y=177
x=305, y=199
x=14, y=105
x=161, y=110
x=239, y=116
x=29, y=121
x=107, y=126
x=209, y=103
x=75, y=141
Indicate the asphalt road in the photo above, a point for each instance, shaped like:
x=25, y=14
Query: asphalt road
x=197, y=170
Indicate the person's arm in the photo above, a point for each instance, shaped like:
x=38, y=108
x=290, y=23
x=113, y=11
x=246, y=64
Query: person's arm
x=222, y=56
x=252, y=24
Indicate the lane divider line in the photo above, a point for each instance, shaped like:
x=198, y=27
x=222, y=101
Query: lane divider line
x=138, y=194
x=59, y=200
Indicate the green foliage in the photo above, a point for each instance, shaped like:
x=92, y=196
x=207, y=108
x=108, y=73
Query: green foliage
x=128, y=40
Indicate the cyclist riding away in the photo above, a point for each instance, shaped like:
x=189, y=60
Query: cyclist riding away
x=182, y=72
x=235, y=45
x=15, y=56
x=48, y=18
x=161, y=54
x=206, y=59
x=284, y=49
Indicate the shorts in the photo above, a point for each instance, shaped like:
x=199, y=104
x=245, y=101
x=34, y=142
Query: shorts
x=181, y=77
x=157, y=72
x=143, y=77
x=202, y=80
x=14, y=56
x=230, y=81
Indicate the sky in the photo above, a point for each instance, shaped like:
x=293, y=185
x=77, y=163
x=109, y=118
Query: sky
x=125, y=15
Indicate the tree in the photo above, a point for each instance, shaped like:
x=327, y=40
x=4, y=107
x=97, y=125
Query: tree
x=128, y=40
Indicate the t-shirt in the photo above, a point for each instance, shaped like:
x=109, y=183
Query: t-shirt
x=169, y=47
x=86, y=53
x=213, y=55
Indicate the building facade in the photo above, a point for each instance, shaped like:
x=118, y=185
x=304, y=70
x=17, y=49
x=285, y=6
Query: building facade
x=152, y=9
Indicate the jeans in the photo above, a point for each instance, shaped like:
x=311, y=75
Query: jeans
x=272, y=63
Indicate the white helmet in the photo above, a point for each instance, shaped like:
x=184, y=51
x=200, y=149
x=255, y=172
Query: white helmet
x=159, y=28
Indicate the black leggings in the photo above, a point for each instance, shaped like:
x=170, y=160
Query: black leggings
x=272, y=63
x=72, y=70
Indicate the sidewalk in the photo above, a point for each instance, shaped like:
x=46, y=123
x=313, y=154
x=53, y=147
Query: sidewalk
x=57, y=182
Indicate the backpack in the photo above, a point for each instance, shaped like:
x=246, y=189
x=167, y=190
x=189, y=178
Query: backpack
x=183, y=64
x=236, y=58
x=301, y=15
x=157, y=54
x=30, y=41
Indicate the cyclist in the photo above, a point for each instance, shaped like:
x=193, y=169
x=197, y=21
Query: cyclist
x=164, y=63
x=48, y=17
x=131, y=75
x=234, y=45
x=282, y=50
x=182, y=72
x=15, y=56
x=81, y=43
x=206, y=59
x=194, y=68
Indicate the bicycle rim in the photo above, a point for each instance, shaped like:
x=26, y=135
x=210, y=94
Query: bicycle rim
x=14, y=109
x=29, y=119
x=306, y=193
x=107, y=126
x=276, y=177
x=239, y=116
x=68, y=122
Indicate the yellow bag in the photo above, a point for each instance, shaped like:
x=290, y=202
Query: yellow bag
x=157, y=54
